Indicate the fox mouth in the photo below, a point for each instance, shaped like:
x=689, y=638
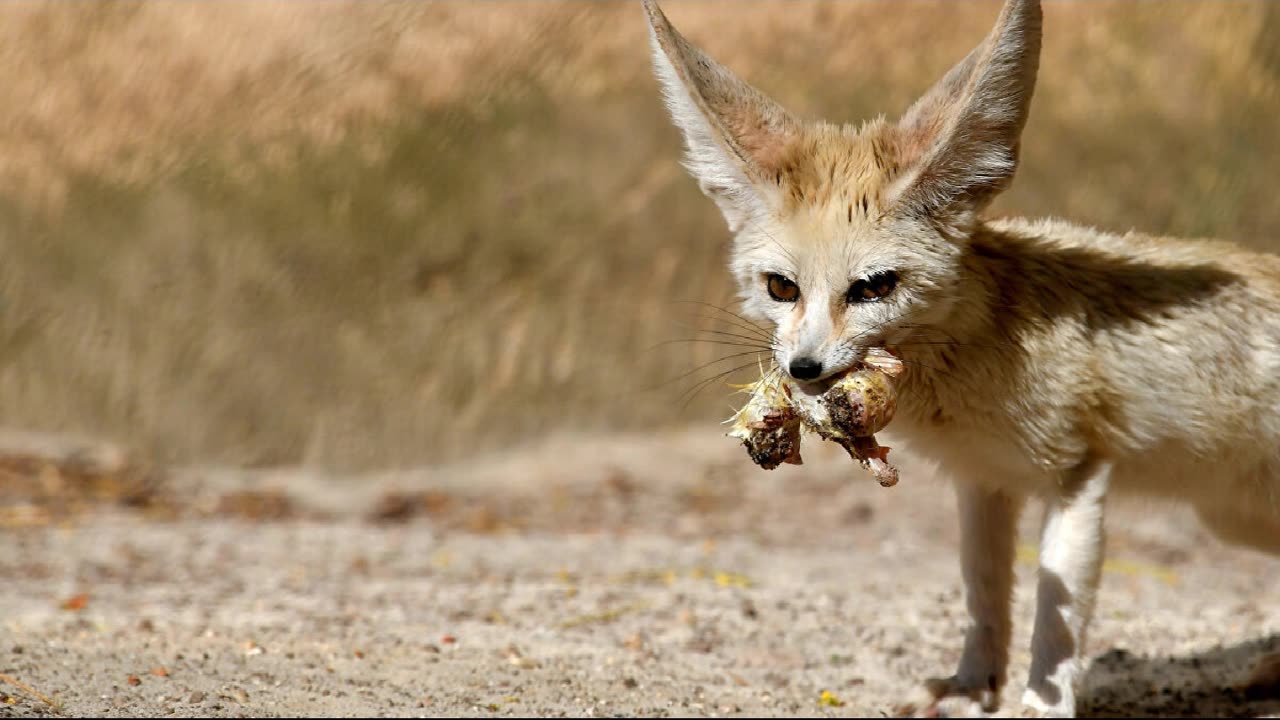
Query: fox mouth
x=869, y=357
x=821, y=385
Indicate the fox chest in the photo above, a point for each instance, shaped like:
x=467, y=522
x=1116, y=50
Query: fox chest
x=1000, y=442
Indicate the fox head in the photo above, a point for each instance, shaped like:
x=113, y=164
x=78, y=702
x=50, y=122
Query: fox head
x=850, y=237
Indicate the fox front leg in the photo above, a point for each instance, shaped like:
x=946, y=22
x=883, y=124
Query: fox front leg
x=988, y=525
x=1071, y=550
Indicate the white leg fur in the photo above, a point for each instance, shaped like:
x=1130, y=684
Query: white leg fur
x=1070, y=564
x=988, y=524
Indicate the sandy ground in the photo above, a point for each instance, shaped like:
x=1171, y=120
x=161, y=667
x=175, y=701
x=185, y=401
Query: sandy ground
x=657, y=575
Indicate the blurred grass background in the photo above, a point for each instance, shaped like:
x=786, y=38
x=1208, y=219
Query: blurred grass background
x=371, y=234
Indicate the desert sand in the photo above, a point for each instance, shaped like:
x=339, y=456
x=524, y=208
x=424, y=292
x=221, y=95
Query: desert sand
x=624, y=575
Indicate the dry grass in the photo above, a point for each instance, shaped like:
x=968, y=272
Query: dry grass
x=375, y=234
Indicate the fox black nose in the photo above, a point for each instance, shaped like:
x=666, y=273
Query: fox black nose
x=805, y=368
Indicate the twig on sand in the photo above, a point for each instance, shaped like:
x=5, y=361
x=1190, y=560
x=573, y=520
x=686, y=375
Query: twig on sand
x=28, y=689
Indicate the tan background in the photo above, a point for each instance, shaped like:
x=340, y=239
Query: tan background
x=366, y=235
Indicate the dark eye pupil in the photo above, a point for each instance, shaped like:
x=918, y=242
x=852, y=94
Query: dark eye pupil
x=873, y=288
x=782, y=289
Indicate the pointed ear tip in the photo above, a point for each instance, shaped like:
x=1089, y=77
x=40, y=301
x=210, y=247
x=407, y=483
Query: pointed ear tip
x=653, y=13
x=662, y=34
x=1028, y=11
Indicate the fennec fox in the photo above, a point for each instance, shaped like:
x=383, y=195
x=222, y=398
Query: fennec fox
x=1046, y=360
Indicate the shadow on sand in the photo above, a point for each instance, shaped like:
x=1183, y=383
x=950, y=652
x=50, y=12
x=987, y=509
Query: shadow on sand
x=1203, y=684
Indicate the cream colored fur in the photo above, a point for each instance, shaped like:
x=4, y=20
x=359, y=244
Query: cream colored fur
x=1047, y=360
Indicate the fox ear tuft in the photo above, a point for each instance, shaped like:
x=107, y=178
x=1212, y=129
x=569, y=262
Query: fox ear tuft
x=736, y=137
x=960, y=141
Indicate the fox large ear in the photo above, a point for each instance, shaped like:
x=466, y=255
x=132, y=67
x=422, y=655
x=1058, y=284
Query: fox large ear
x=960, y=142
x=735, y=136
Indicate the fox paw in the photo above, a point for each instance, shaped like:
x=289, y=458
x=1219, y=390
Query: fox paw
x=953, y=697
x=948, y=697
x=1059, y=705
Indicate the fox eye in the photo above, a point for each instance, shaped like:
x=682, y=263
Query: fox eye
x=875, y=287
x=783, y=289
